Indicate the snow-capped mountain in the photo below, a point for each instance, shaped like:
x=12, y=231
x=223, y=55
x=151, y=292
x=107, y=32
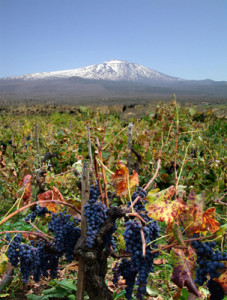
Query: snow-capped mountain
x=114, y=70
x=114, y=80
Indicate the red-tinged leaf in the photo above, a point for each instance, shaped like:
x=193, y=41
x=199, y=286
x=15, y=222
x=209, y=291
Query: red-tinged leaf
x=162, y=208
x=26, y=185
x=196, y=205
x=57, y=194
x=192, y=216
x=160, y=261
x=222, y=281
x=29, y=236
x=133, y=179
x=183, y=269
x=51, y=195
x=209, y=222
x=120, y=173
x=2, y=163
x=122, y=181
x=195, y=220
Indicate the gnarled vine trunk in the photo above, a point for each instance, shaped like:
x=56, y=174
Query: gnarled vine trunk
x=95, y=259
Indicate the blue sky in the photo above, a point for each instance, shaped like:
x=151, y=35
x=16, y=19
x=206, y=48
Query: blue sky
x=183, y=38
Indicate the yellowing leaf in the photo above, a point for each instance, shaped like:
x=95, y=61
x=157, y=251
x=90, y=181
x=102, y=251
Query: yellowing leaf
x=220, y=233
x=155, y=195
x=133, y=179
x=165, y=211
x=122, y=181
x=192, y=216
x=195, y=219
x=3, y=262
x=162, y=208
x=209, y=222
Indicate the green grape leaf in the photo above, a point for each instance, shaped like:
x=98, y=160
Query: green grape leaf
x=3, y=262
x=177, y=233
x=220, y=233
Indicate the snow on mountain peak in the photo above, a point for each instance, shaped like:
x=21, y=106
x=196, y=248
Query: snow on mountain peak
x=114, y=70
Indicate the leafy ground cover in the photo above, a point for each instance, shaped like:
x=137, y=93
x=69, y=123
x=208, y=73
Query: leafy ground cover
x=184, y=150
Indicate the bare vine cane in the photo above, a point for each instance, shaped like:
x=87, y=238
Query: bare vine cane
x=36, y=203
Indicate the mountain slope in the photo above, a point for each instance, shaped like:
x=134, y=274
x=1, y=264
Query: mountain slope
x=110, y=81
x=114, y=70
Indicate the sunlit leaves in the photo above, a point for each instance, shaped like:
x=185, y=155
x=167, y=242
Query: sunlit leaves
x=51, y=195
x=209, y=222
x=123, y=181
x=162, y=208
x=3, y=262
x=195, y=219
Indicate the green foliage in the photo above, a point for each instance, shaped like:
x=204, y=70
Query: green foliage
x=64, y=289
x=201, y=160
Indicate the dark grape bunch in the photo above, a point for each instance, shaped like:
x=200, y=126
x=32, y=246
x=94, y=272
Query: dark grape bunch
x=216, y=291
x=95, y=212
x=34, y=260
x=125, y=270
x=66, y=234
x=138, y=263
x=137, y=269
x=39, y=211
x=209, y=261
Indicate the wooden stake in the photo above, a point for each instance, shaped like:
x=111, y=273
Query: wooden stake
x=89, y=145
x=129, y=147
x=85, y=197
x=97, y=176
x=37, y=140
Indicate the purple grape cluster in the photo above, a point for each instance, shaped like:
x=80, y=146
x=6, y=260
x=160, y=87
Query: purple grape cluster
x=125, y=270
x=33, y=259
x=139, y=265
x=216, y=291
x=66, y=234
x=95, y=212
x=209, y=261
x=39, y=211
x=13, y=249
x=42, y=259
x=133, y=242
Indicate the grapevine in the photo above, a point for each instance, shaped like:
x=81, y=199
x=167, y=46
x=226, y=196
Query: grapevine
x=127, y=221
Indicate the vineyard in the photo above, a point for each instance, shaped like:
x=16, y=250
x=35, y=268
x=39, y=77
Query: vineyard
x=97, y=207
